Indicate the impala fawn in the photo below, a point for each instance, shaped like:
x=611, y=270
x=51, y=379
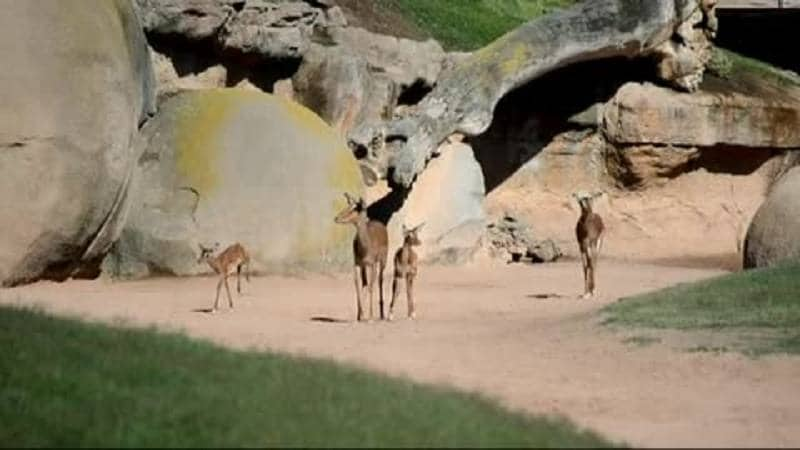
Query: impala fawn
x=405, y=267
x=589, y=232
x=370, y=247
x=224, y=264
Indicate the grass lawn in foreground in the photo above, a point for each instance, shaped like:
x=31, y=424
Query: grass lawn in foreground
x=762, y=300
x=68, y=383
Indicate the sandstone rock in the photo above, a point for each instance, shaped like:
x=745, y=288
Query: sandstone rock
x=512, y=239
x=232, y=165
x=271, y=29
x=774, y=232
x=194, y=19
x=77, y=82
x=448, y=198
x=648, y=114
x=643, y=165
x=543, y=251
x=336, y=83
x=404, y=61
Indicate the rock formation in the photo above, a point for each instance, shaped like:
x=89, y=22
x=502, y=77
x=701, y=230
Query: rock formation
x=674, y=32
x=77, y=83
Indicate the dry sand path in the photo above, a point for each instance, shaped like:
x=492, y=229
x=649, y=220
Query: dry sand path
x=514, y=333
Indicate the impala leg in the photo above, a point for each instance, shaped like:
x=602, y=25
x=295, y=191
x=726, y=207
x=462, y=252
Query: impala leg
x=585, y=265
x=216, y=299
x=592, y=265
x=395, y=288
x=373, y=271
x=228, y=290
x=239, y=279
x=381, y=269
x=410, y=295
x=357, y=278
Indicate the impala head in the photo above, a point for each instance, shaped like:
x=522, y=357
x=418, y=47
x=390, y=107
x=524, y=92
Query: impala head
x=410, y=235
x=207, y=252
x=355, y=209
x=585, y=199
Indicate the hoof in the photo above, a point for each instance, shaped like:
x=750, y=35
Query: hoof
x=412, y=316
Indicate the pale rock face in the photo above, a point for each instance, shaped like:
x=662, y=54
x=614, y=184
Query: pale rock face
x=77, y=82
x=448, y=198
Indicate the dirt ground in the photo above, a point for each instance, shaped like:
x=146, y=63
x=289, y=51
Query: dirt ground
x=515, y=333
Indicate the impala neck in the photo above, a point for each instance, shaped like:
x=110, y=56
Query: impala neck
x=362, y=233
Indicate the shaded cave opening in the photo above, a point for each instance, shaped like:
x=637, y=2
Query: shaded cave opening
x=565, y=99
x=192, y=57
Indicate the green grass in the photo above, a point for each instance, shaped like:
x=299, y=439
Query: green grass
x=641, y=341
x=728, y=64
x=69, y=383
x=763, y=300
x=471, y=24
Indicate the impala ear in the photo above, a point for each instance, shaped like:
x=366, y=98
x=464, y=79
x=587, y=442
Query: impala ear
x=419, y=227
x=349, y=198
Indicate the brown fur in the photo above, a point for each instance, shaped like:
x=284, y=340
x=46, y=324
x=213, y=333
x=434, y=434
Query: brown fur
x=224, y=264
x=370, y=248
x=405, y=267
x=589, y=232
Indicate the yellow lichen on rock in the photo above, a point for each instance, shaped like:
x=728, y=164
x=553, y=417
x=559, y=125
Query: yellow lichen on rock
x=197, y=128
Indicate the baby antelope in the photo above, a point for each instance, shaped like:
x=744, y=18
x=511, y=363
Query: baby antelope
x=231, y=259
x=589, y=232
x=405, y=267
x=370, y=248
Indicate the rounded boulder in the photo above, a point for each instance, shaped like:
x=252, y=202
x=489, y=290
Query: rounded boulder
x=774, y=232
x=233, y=165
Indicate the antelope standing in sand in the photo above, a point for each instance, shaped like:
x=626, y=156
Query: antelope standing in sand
x=229, y=260
x=589, y=232
x=370, y=247
x=405, y=267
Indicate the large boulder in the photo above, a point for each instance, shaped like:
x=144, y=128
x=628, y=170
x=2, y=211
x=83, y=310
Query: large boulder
x=76, y=84
x=227, y=165
x=774, y=233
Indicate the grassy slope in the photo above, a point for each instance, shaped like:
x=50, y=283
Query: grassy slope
x=67, y=383
x=470, y=24
x=766, y=300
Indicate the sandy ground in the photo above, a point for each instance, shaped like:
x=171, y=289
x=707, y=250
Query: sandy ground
x=516, y=333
